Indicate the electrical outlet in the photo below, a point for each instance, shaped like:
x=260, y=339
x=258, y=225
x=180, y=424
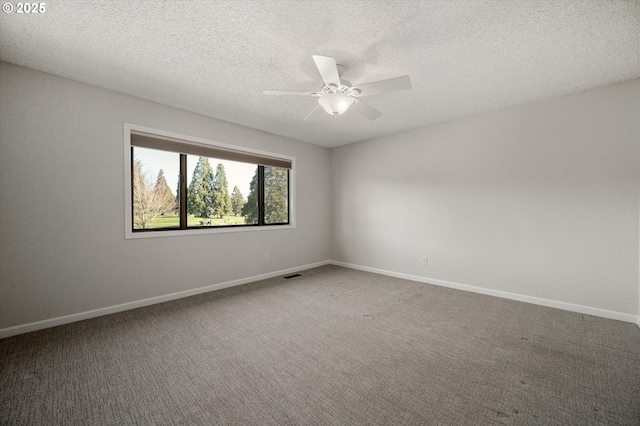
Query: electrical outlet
x=266, y=257
x=424, y=261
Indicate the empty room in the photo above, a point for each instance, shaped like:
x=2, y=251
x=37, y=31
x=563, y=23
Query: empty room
x=321, y=212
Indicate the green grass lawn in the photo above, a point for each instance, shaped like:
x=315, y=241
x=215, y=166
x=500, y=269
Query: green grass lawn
x=173, y=221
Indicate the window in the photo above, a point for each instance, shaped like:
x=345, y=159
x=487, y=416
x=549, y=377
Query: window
x=187, y=185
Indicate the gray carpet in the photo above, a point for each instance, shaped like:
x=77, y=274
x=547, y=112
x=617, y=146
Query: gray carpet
x=332, y=347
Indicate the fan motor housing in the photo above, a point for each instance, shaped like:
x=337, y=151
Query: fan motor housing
x=345, y=87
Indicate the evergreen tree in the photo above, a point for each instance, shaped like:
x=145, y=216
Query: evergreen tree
x=276, y=207
x=250, y=208
x=164, y=194
x=237, y=201
x=222, y=204
x=201, y=194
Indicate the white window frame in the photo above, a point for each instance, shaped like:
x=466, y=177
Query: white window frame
x=128, y=217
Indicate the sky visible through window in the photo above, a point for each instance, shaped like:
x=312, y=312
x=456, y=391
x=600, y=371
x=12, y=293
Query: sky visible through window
x=238, y=174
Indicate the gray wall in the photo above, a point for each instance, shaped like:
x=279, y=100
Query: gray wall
x=540, y=200
x=62, y=246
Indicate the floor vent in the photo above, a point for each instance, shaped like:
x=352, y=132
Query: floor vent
x=292, y=276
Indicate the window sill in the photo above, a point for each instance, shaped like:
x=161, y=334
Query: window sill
x=130, y=235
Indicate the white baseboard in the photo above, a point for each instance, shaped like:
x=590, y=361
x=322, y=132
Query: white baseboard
x=53, y=322
x=506, y=295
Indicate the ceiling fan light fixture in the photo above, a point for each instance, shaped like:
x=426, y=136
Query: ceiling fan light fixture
x=338, y=95
x=336, y=103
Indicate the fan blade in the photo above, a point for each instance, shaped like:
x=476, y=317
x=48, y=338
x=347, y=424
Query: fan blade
x=316, y=113
x=384, y=86
x=365, y=110
x=290, y=92
x=328, y=69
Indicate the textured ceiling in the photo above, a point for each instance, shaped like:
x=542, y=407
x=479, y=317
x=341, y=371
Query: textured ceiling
x=216, y=57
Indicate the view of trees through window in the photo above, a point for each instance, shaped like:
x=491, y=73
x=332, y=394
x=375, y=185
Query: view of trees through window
x=219, y=192
x=154, y=204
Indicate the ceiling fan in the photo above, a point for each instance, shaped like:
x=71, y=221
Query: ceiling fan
x=337, y=96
